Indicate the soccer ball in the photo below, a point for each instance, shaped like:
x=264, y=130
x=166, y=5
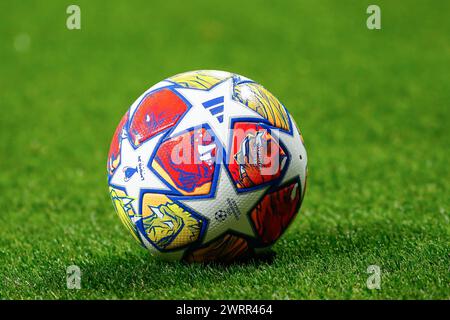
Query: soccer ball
x=207, y=166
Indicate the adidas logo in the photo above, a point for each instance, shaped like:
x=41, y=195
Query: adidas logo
x=215, y=106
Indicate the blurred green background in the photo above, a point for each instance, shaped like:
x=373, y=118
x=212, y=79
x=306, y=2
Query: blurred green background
x=373, y=106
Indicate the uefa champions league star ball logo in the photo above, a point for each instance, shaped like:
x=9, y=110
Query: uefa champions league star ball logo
x=220, y=215
x=207, y=165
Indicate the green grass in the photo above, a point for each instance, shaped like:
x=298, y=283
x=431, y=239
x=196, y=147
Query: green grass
x=373, y=107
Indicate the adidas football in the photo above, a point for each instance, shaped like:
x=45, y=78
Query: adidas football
x=207, y=166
